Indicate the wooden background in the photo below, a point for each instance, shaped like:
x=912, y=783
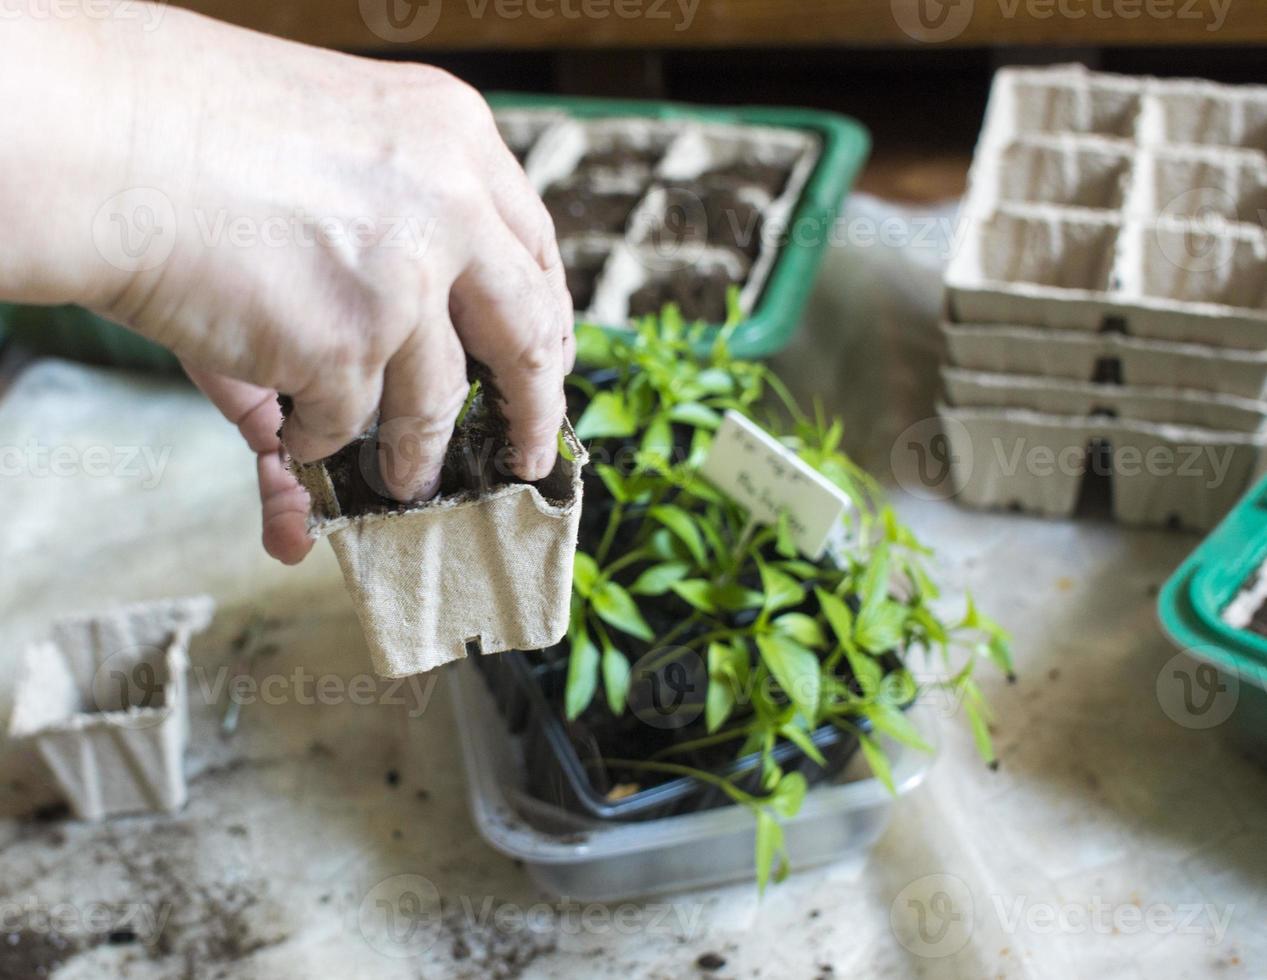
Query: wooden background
x=558, y=24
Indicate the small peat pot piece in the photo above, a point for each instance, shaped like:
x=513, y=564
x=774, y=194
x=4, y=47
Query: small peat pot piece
x=104, y=701
x=485, y=566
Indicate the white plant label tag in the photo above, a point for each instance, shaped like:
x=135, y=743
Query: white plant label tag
x=764, y=476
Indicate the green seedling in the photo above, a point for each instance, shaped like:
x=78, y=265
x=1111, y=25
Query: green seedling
x=790, y=644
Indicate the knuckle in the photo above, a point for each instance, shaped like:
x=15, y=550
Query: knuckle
x=462, y=98
x=539, y=356
x=465, y=199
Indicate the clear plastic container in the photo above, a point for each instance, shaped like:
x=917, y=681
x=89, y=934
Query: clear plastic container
x=590, y=861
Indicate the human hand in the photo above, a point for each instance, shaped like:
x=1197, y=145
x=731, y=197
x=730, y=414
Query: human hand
x=342, y=230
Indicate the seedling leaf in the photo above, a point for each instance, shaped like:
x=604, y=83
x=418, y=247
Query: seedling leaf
x=584, y=573
x=683, y=525
x=878, y=762
x=781, y=590
x=607, y=415
x=795, y=668
x=657, y=579
x=615, y=678
x=617, y=608
x=697, y=592
x=582, y=679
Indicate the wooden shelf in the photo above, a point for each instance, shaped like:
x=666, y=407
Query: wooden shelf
x=435, y=25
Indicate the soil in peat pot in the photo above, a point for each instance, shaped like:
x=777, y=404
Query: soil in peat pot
x=474, y=464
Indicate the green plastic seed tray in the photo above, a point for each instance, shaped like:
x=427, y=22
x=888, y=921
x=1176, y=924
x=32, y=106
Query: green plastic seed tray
x=842, y=145
x=1191, y=607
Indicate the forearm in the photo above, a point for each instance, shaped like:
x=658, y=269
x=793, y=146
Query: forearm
x=69, y=95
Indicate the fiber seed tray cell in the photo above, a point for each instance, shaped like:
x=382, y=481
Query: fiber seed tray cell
x=1162, y=474
x=656, y=203
x=1106, y=357
x=1179, y=406
x=1097, y=200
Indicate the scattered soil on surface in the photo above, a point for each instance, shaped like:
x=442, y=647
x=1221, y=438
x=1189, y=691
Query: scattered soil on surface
x=26, y=954
x=209, y=925
x=482, y=951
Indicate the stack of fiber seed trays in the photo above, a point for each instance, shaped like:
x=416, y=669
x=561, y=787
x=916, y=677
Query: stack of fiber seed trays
x=1107, y=299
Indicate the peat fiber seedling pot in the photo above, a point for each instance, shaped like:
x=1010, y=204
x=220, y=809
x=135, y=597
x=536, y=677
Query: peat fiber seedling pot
x=485, y=566
x=104, y=701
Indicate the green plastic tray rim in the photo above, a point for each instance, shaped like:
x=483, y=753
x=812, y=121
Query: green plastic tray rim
x=1192, y=599
x=846, y=145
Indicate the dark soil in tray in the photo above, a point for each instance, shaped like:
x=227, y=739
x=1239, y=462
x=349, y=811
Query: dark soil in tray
x=771, y=178
x=577, y=208
x=734, y=219
x=729, y=216
x=582, y=277
x=700, y=294
x=622, y=157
